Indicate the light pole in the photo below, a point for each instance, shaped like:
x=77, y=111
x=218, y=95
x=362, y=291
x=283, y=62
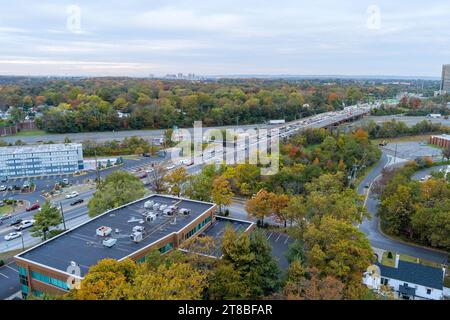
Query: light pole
x=23, y=243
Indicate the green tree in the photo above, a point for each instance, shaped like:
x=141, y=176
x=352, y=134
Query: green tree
x=45, y=219
x=251, y=256
x=119, y=188
x=222, y=193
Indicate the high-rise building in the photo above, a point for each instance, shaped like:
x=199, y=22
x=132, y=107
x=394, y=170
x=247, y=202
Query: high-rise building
x=445, y=82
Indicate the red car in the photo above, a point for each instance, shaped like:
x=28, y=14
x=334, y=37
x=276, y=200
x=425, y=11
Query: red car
x=33, y=207
x=143, y=175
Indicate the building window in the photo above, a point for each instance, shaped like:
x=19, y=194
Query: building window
x=198, y=227
x=166, y=248
x=46, y=279
x=428, y=291
x=384, y=281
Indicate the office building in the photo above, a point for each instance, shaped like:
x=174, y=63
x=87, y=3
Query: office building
x=38, y=160
x=132, y=231
x=445, y=81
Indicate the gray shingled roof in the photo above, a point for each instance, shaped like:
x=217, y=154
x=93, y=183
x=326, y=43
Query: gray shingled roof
x=415, y=273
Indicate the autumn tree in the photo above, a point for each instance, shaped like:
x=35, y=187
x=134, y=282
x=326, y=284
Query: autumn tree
x=222, y=193
x=260, y=206
x=176, y=179
x=157, y=178
x=338, y=249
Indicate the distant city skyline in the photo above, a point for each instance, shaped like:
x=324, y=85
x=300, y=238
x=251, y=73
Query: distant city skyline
x=225, y=38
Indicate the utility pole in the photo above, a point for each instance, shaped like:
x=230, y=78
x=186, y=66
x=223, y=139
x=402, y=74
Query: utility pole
x=23, y=243
x=63, y=218
x=96, y=168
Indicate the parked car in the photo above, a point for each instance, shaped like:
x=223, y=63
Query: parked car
x=33, y=207
x=78, y=201
x=143, y=175
x=12, y=235
x=10, y=188
x=15, y=222
x=71, y=195
x=3, y=188
x=24, y=224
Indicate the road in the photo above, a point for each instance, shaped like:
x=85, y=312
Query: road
x=77, y=215
x=410, y=121
x=371, y=227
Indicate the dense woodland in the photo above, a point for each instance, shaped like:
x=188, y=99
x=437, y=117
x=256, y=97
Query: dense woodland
x=77, y=105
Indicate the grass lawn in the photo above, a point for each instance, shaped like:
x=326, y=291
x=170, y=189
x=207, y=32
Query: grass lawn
x=403, y=257
x=30, y=133
x=5, y=209
x=8, y=255
x=403, y=139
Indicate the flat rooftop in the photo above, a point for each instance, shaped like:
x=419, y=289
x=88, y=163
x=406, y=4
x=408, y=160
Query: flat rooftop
x=82, y=245
x=54, y=147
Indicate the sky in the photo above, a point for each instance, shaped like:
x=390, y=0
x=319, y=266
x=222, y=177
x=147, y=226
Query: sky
x=224, y=37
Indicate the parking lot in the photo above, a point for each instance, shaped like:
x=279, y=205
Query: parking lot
x=9, y=280
x=280, y=243
x=410, y=150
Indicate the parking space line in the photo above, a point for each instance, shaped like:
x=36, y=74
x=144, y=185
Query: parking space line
x=12, y=268
x=1, y=274
x=287, y=238
x=279, y=235
x=269, y=235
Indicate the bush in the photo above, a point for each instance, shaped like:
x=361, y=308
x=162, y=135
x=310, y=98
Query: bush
x=2, y=263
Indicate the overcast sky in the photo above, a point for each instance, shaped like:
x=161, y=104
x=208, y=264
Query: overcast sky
x=224, y=37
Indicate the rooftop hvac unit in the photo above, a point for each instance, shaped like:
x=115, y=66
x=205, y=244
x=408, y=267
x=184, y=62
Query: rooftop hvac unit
x=148, y=204
x=150, y=217
x=109, y=242
x=103, y=231
x=156, y=206
x=163, y=207
x=185, y=211
x=138, y=229
x=168, y=212
x=174, y=221
x=136, y=236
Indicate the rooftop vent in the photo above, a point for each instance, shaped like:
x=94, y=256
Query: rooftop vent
x=109, y=243
x=136, y=236
x=149, y=204
x=103, y=231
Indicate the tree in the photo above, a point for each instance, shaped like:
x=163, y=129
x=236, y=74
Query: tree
x=221, y=192
x=338, y=249
x=45, y=219
x=260, y=206
x=279, y=202
x=157, y=178
x=226, y=284
x=168, y=142
x=169, y=281
x=108, y=280
x=176, y=179
x=119, y=188
x=251, y=256
x=311, y=285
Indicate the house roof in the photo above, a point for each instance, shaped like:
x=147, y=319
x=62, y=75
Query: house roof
x=415, y=273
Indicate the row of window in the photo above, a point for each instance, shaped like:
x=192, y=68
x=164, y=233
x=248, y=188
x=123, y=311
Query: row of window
x=385, y=282
x=197, y=228
x=46, y=279
x=164, y=249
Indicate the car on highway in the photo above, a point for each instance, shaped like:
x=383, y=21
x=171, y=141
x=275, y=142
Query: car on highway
x=12, y=235
x=170, y=167
x=5, y=216
x=3, y=188
x=78, y=201
x=33, y=207
x=15, y=222
x=71, y=195
x=24, y=224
